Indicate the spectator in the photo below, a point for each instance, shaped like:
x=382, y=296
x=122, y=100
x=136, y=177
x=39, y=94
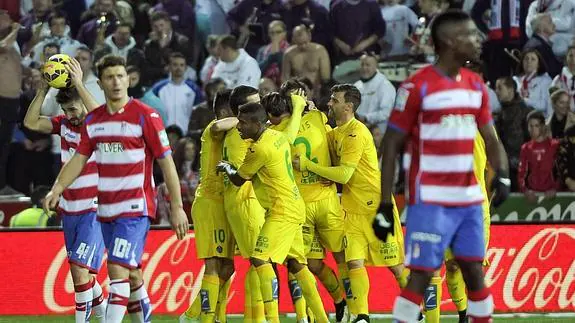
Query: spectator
x=399, y=21
x=306, y=59
x=566, y=80
x=562, y=118
x=311, y=13
x=95, y=30
x=33, y=23
x=162, y=43
x=377, y=138
x=534, y=82
x=566, y=159
x=236, y=66
x=537, y=160
x=270, y=56
x=178, y=94
x=423, y=46
x=377, y=94
x=212, y=59
x=511, y=123
x=58, y=28
x=10, y=86
x=561, y=12
x=121, y=43
x=544, y=28
x=174, y=135
x=250, y=19
x=35, y=217
x=493, y=101
x=357, y=27
x=138, y=91
x=203, y=113
x=182, y=14
x=266, y=86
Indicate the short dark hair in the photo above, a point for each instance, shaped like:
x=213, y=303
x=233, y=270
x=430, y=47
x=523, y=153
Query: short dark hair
x=109, y=61
x=212, y=41
x=509, y=82
x=212, y=84
x=351, y=94
x=222, y=102
x=536, y=115
x=178, y=55
x=51, y=45
x=541, y=69
x=292, y=84
x=57, y=15
x=133, y=69
x=256, y=112
x=450, y=16
x=175, y=130
x=38, y=194
x=86, y=49
x=276, y=104
x=228, y=41
x=123, y=24
x=67, y=95
x=160, y=15
x=240, y=95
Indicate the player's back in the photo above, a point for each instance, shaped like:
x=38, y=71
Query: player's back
x=353, y=146
x=275, y=184
x=234, y=150
x=211, y=184
x=311, y=141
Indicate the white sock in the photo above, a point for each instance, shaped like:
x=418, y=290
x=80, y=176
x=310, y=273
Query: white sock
x=83, y=297
x=405, y=310
x=98, y=301
x=117, y=300
x=139, y=306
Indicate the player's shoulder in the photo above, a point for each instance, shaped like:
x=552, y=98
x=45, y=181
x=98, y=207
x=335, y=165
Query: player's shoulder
x=96, y=114
x=356, y=130
x=475, y=79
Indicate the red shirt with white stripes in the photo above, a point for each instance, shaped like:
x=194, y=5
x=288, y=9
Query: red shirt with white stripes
x=440, y=117
x=80, y=197
x=125, y=145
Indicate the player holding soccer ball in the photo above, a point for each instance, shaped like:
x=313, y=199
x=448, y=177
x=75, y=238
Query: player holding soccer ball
x=126, y=136
x=78, y=205
x=439, y=111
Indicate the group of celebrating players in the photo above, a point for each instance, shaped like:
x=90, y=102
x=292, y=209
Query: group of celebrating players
x=269, y=168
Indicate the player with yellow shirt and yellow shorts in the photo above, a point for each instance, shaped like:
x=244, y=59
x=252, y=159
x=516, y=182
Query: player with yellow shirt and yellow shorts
x=268, y=165
x=214, y=240
x=358, y=170
x=323, y=228
x=453, y=276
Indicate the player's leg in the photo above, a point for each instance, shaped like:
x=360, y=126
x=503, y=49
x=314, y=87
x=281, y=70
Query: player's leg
x=139, y=306
x=297, y=299
x=429, y=231
x=432, y=299
x=226, y=270
x=469, y=249
x=456, y=288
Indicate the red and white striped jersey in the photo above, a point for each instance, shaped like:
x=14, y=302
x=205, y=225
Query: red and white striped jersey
x=80, y=197
x=125, y=145
x=440, y=117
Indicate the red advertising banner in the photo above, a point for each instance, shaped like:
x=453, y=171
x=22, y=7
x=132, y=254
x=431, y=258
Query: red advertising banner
x=532, y=269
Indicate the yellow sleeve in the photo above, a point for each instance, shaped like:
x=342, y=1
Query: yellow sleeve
x=254, y=160
x=351, y=149
x=339, y=174
x=292, y=128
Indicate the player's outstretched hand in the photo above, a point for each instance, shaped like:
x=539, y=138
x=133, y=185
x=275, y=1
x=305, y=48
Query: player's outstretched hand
x=50, y=201
x=225, y=167
x=298, y=97
x=383, y=221
x=179, y=222
x=75, y=71
x=500, y=186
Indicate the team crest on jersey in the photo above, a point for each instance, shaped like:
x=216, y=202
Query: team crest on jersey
x=401, y=99
x=164, y=138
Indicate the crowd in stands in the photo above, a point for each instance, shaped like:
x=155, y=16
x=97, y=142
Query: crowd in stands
x=181, y=52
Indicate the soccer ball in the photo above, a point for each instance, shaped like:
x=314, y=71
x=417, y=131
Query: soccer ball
x=55, y=73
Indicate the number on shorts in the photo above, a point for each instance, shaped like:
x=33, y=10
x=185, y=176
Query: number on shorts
x=288, y=165
x=121, y=248
x=82, y=250
x=307, y=145
x=219, y=236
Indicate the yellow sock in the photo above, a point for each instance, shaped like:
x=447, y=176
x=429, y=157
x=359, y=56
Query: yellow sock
x=297, y=298
x=360, y=287
x=329, y=280
x=402, y=279
x=456, y=287
x=309, y=288
x=209, y=297
x=258, y=311
x=345, y=283
x=222, y=306
x=269, y=287
x=432, y=301
x=193, y=311
x=248, y=316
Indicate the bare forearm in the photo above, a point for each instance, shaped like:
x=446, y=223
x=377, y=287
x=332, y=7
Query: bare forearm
x=87, y=98
x=172, y=181
x=362, y=45
x=390, y=150
x=497, y=156
x=69, y=173
x=32, y=118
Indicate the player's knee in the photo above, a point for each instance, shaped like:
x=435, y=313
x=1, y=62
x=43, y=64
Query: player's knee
x=257, y=262
x=294, y=266
x=226, y=269
x=116, y=271
x=136, y=278
x=451, y=266
x=339, y=257
x=354, y=264
x=315, y=266
x=80, y=275
x=472, y=274
x=212, y=266
x=419, y=280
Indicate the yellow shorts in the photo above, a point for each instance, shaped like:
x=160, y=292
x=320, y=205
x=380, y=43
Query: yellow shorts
x=361, y=243
x=214, y=237
x=486, y=233
x=323, y=228
x=246, y=220
x=278, y=240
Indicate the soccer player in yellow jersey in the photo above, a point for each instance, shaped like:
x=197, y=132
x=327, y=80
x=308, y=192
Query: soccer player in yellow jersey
x=357, y=169
x=268, y=165
x=214, y=240
x=323, y=228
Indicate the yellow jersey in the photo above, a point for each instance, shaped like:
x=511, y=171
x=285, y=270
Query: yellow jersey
x=352, y=145
x=211, y=183
x=480, y=164
x=311, y=141
x=234, y=151
x=268, y=164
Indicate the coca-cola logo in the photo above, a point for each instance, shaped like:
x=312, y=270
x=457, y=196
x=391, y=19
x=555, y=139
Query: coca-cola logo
x=534, y=275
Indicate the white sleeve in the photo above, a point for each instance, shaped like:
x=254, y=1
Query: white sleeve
x=412, y=19
x=386, y=99
x=530, y=15
x=204, y=70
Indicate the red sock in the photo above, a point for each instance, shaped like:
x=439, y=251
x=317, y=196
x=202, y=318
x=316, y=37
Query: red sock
x=406, y=307
x=83, y=297
x=480, y=306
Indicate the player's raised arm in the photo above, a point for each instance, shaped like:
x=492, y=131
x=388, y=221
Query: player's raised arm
x=77, y=76
x=221, y=126
x=298, y=102
x=33, y=120
x=66, y=177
